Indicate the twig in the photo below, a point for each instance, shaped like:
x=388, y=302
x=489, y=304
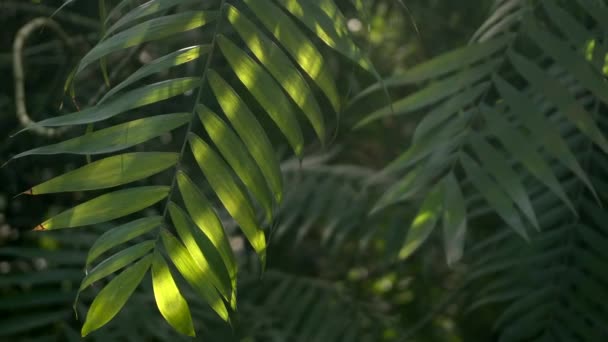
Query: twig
x=18, y=71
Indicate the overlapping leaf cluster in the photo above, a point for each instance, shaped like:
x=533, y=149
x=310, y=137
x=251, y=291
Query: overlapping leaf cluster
x=514, y=125
x=279, y=68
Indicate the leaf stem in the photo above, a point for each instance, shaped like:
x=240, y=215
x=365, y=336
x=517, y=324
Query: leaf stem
x=193, y=113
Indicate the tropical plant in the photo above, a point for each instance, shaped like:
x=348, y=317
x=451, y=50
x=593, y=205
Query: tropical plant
x=514, y=126
x=509, y=134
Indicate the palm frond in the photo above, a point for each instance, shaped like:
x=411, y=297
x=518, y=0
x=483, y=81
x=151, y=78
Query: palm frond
x=235, y=155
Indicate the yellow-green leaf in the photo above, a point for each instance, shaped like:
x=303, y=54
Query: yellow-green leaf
x=235, y=153
x=116, y=262
x=197, y=278
x=297, y=44
x=265, y=90
x=280, y=67
x=114, y=138
x=161, y=64
x=109, y=172
x=122, y=234
x=424, y=222
x=113, y=296
x=130, y=100
x=230, y=194
x=201, y=250
x=250, y=131
x=153, y=29
x=169, y=300
x=107, y=207
x=204, y=216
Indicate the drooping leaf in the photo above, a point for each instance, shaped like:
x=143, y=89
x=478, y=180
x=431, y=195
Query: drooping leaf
x=153, y=29
x=169, y=300
x=146, y=9
x=113, y=296
x=116, y=262
x=114, y=138
x=196, y=277
x=424, y=222
x=173, y=59
x=204, y=216
x=130, y=100
x=109, y=172
x=122, y=234
x=435, y=92
x=495, y=163
x=107, y=207
x=280, y=67
x=546, y=133
x=297, y=44
x=201, y=250
x=234, y=152
x=250, y=131
x=454, y=219
x=265, y=90
x=558, y=94
x=232, y=197
x=497, y=199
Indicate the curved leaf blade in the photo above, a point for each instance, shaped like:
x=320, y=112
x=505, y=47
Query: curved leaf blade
x=196, y=277
x=107, y=207
x=116, y=262
x=109, y=172
x=133, y=99
x=154, y=29
x=114, y=138
x=280, y=67
x=454, y=219
x=169, y=300
x=204, y=216
x=122, y=234
x=265, y=90
x=201, y=250
x=250, y=131
x=173, y=59
x=297, y=44
x=235, y=153
x=424, y=222
x=229, y=193
x=113, y=296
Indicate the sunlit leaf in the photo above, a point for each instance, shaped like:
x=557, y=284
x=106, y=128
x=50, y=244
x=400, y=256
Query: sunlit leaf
x=201, y=250
x=161, y=64
x=109, y=172
x=169, y=300
x=122, y=234
x=116, y=262
x=297, y=44
x=232, y=197
x=115, y=138
x=130, y=100
x=235, y=153
x=113, y=296
x=265, y=90
x=196, y=277
x=250, y=131
x=424, y=222
x=280, y=67
x=107, y=207
x=153, y=29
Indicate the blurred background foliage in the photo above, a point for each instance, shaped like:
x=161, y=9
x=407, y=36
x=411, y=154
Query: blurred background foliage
x=331, y=273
